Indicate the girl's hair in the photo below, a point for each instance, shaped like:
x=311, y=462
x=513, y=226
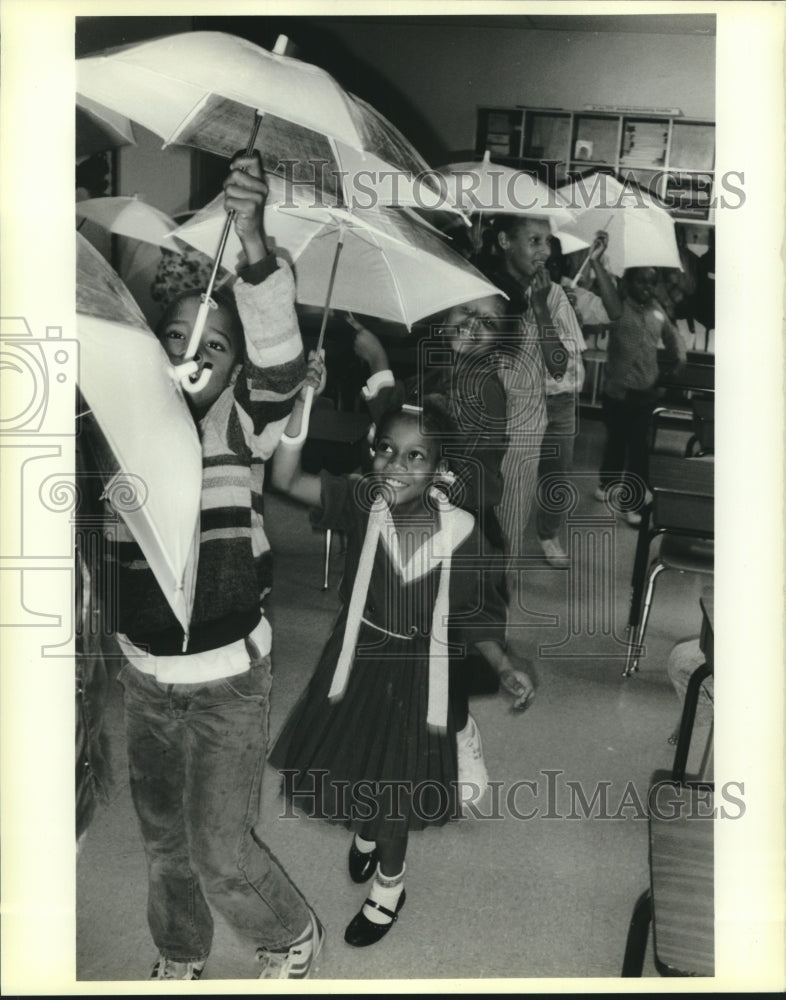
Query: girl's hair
x=435, y=421
x=433, y=415
x=222, y=298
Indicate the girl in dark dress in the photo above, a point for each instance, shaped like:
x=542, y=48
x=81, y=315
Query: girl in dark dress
x=372, y=742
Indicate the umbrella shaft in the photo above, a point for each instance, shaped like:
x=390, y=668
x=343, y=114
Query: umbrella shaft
x=196, y=334
x=332, y=281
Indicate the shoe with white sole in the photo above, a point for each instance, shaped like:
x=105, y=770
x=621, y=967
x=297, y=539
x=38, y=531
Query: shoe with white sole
x=165, y=968
x=554, y=553
x=473, y=778
x=295, y=962
x=633, y=518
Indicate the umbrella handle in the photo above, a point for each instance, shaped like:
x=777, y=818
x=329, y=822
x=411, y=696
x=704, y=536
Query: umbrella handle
x=184, y=377
x=207, y=302
x=301, y=435
x=581, y=270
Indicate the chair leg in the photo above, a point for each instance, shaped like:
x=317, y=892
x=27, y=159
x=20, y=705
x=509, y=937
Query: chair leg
x=638, y=933
x=328, y=539
x=697, y=678
x=654, y=425
x=636, y=640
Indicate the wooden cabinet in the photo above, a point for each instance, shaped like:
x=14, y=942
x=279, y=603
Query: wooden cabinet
x=670, y=155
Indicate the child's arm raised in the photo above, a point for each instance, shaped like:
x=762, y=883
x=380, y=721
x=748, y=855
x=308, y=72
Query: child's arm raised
x=274, y=366
x=287, y=473
x=608, y=292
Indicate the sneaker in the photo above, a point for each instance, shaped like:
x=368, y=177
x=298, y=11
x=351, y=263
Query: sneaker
x=473, y=778
x=165, y=968
x=554, y=553
x=297, y=961
x=633, y=517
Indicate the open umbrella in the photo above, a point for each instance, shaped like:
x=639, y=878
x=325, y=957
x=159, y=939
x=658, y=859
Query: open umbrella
x=641, y=232
x=203, y=89
x=129, y=217
x=482, y=189
x=99, y=129
x=152, y=463
x=392, y=266
x=378, y=262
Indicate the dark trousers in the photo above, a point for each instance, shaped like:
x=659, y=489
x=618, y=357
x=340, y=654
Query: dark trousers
x=626, y=452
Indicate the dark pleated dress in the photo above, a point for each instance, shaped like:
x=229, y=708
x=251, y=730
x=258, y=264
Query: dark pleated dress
x=368, y=759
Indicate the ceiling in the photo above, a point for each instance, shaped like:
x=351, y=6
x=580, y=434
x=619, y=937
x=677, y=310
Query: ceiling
x=661, y=24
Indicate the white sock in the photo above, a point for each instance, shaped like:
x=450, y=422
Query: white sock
x=385, y=890
x=364, y=846
x=468, y=730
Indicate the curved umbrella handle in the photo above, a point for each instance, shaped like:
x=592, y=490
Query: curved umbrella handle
x=193, y=345
x=301, y=435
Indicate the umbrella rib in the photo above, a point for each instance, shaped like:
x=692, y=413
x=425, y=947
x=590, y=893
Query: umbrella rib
x=396, y=288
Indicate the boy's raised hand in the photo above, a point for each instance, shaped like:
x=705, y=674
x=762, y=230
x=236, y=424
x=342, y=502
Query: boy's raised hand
x=599, y=245
x=245, y=193
x=316, y=375
x=367, y=346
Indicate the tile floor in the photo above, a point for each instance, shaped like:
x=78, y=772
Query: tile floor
x=486, y=898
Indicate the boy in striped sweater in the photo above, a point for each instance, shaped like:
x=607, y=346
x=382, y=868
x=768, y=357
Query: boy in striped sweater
x=197, y=704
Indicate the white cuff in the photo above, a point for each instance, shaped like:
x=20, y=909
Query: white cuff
x=376, y=382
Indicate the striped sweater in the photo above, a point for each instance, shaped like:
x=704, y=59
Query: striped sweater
x=238, y=434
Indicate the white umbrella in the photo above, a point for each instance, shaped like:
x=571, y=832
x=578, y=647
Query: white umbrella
x=379, y=262
x=392, y=266
x=483, y=188
x=154, y=461
x=203, y=89
x=641, y=232
x=129, y=217
x=99, y=129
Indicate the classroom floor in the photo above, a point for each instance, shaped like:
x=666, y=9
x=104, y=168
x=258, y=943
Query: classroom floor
x=487, y=898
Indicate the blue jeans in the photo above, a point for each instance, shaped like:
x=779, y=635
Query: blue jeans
x=196, y=754
x=556, y=458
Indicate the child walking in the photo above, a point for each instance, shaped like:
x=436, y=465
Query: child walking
x=466, y=334
x=196, y=706
x=631, y=387
x=372, y=742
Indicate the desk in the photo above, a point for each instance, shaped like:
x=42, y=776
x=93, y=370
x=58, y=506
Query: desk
x=683, y=502
x=691, y=378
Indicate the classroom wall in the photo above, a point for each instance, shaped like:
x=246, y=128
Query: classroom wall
x=445, y=73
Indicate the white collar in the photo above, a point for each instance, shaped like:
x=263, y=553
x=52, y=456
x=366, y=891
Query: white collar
x=455, y=526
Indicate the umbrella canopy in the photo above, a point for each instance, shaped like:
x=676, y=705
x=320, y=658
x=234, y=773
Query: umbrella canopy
x=153, y=460
x=484, y=189
x=98, y=129
x=203, y=88
x=488, y=188
x=129, y=217
x=391, y=266
x=641, y=233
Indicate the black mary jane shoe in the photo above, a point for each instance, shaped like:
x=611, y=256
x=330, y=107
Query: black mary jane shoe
x=362, y=866
x=361, y=932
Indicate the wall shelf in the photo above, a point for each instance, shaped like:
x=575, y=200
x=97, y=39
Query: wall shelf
x=674, y=157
